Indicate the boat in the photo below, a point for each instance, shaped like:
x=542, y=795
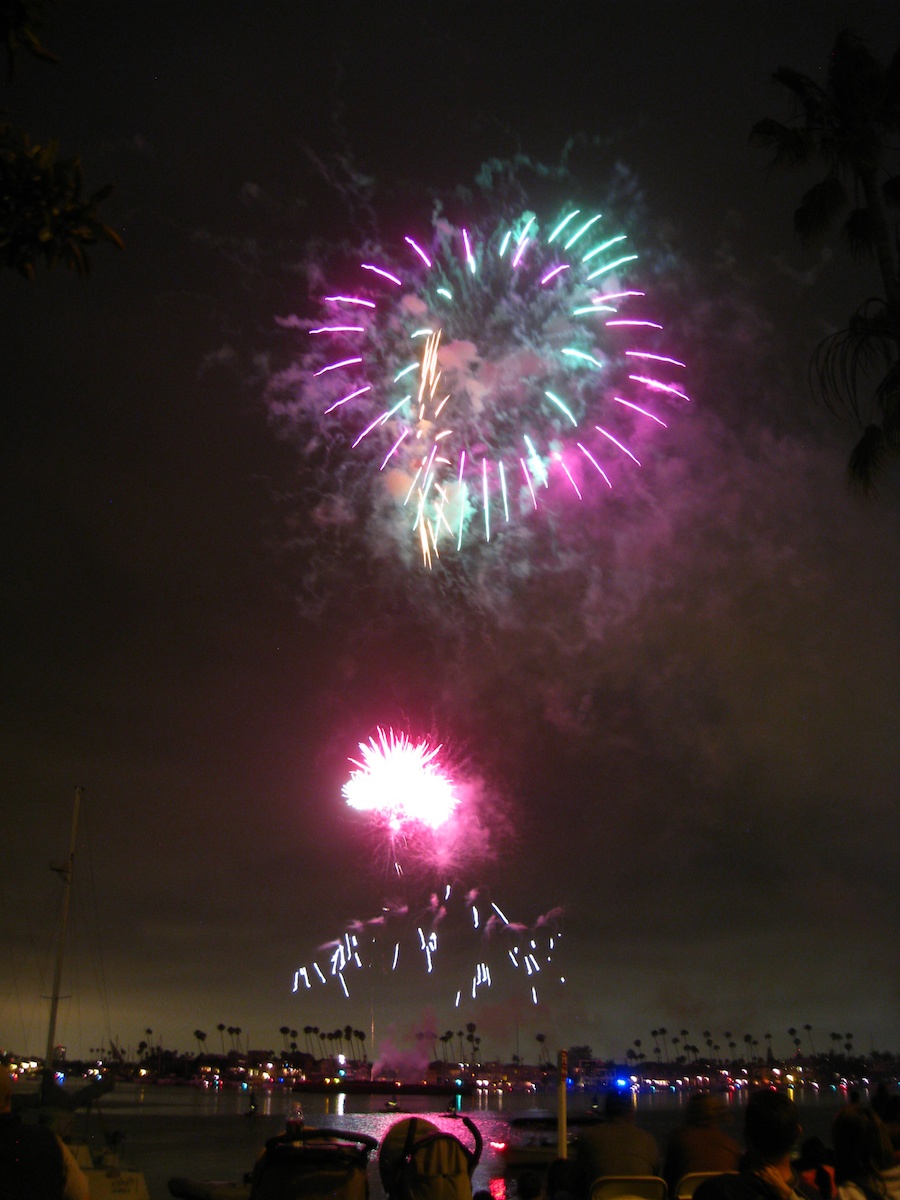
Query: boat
x=533, y=1140
x=107, y=1178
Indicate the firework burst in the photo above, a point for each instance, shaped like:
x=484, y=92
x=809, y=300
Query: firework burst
x=478, y=371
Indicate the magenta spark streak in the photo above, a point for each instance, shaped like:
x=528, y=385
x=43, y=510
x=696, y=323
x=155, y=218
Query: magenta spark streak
x=559, y=459
x=339, y=329
x=643, y=411
x=351, y=300
x=381, y=271
x=584, y=450
x=645, y=324
x=616, y=442
x=657, y=385
x=520, y=252
x=675, y=362
x=394, y=448
x=345, y=362
x=552, y=274
x=418, y=249
x=352, y=396
x=528, y=481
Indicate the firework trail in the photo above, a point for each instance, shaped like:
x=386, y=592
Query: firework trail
x=476, y=371
x=409, y=797
x=498, y=951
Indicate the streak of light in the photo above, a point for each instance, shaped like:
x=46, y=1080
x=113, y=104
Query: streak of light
x=345, y=362
x=381, y=271
x=418, y=249
x=616, y=442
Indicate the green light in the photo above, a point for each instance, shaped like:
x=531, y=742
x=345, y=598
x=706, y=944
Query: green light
x=563, y=223
x=521, y=238
x=561, y=406
x=611, y=266
x=505, y=242
x=444, y=292
x=605, y=246
x=593, y=308
x=406, y=371
x=585, y=227
x=584, y=357
x=538, y=470
x=421, y=333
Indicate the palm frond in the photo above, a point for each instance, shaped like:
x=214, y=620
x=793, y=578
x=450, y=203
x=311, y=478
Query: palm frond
x=843, y=367
x=890, y=189
x=819, y=208
x=792, y=146
x=887, y=397
x=866, y=460
x=857, y=231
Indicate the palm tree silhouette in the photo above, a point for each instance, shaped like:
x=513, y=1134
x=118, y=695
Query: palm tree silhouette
x=850, y=123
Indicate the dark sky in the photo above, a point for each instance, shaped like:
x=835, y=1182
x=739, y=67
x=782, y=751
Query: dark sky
x=688, y=718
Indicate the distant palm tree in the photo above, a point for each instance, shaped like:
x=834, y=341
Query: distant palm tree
x=221, y=1029
x=201, y=1039
x=540, y=1038
x=284, y=1030
x=808, y=1029
x=850, y=123
x=662, y=1034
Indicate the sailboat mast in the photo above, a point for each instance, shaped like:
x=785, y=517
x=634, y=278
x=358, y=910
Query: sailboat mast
x=65, y=870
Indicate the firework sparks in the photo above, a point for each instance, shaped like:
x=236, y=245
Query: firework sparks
x=496, y=953
x=401, y=781
x=512, y=339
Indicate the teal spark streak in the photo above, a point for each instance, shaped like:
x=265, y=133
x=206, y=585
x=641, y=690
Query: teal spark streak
x=406, y=371
x=563, y=223
x=422, y=333
x=593, y=308
x=585, y=227
x=503, y=490
x=538, y=470
x=462, y=514
x=580, y=354
x=505, y=242
x=521, y=238
x=444, y=292
x=561, y=406
x=611, y=266
x=604, y=246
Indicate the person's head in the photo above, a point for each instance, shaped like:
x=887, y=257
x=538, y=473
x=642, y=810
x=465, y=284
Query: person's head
x=704, y=1110
x=861, y=1144
x=529, y=1185
x=771, y=1125
x=619, y=1106
x=5, y=1088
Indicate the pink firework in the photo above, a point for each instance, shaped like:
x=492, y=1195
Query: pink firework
x=401, y=782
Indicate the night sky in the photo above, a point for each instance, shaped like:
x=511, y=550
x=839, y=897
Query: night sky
x=681, y=708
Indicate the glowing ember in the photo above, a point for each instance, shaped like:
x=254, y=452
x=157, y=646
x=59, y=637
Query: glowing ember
x=401, y=781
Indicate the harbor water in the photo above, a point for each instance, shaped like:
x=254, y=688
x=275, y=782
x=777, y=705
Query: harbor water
x=172, y=1131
